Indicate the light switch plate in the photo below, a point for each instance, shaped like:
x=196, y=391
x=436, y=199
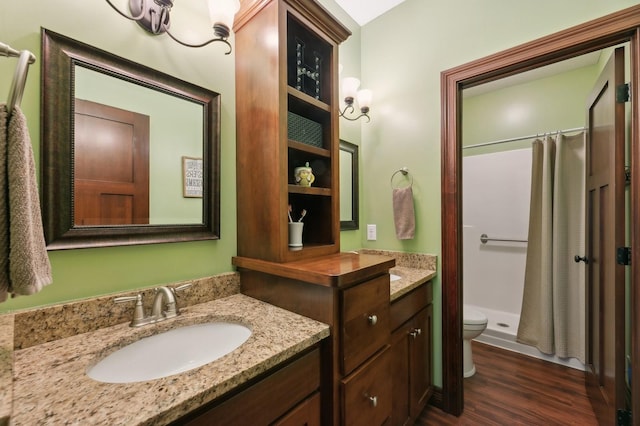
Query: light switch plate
x=371, y=232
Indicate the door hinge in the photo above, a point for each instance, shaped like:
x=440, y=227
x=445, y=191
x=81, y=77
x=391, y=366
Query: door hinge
x=624, y=418
x=623, y=255
x=623, y=93
x=627, y=175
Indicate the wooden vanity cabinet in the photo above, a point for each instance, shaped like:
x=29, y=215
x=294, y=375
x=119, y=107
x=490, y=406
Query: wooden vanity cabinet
x=350, y=293
x=411, y=354
x=287, y=395
x=287, y=113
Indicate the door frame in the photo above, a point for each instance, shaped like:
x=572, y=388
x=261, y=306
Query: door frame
x=616, y=28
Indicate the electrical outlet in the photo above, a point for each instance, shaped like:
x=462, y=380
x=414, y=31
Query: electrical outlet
x=371, y=232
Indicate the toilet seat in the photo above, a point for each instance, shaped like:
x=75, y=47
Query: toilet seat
x=473, y=317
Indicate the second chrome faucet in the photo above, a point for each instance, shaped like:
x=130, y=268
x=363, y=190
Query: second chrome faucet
x=164, y=305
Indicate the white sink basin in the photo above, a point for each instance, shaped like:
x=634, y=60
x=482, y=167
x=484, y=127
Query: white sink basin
x=395, y=277
x=172, y=352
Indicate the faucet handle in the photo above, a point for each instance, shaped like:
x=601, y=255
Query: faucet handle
x=138, y=313
x=181, y=287
x=123, y=299
x=175, y=291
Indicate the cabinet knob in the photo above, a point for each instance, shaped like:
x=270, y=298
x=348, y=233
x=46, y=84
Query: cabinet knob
x=373, y=319
x=416, y=332
x=374, y=401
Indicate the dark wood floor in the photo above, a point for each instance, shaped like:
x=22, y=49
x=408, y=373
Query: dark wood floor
x=513, y=389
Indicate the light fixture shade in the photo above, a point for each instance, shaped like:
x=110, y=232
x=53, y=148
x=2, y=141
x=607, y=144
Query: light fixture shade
x=223, y=11
x=365, y=97
x=350, y=87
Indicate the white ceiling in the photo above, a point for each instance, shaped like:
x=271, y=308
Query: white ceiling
x=363, y=11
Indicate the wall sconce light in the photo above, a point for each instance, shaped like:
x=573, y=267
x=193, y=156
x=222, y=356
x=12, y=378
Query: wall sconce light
x=153, y=16
x=350, y=92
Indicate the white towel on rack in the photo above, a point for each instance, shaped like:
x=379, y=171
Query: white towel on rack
x=403, y=213
x=29, y=268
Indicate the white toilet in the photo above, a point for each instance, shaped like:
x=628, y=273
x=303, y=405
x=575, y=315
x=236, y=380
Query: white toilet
x=474, y=323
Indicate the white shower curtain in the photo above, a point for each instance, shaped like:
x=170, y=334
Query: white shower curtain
x=553, y=304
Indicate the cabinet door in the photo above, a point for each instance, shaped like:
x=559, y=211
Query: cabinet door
x=307, y=413
x=420, y=361
x=265, y=401
x=400, y=375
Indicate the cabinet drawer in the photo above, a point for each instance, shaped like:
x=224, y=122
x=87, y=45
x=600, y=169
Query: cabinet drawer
x=367, y=392
x=266, y=400
x=411, y=303
x=365, y=321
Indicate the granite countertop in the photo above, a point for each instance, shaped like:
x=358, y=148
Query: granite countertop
x=6, y=373
x=410, y=278
x=50, y=385
x=45, y=383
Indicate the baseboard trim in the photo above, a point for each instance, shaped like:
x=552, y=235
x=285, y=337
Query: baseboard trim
x=436, y=398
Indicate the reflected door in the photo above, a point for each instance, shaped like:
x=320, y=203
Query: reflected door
x=111, y=179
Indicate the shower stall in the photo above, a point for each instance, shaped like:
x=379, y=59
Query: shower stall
x=496, y=207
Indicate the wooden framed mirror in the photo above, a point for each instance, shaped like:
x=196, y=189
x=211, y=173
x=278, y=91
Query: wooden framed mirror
x=114, y=135
x=349, y=217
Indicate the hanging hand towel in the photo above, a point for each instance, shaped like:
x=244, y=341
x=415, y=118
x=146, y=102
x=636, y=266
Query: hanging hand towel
x=29, y=267
x=4, y=207
x=403, y=213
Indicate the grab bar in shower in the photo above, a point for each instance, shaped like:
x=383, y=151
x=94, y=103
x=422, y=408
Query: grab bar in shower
x=484, y=238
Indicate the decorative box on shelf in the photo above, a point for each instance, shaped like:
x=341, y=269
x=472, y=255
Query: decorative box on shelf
x=303, y=130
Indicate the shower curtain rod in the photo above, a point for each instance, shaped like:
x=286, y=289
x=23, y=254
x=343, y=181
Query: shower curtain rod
x=521, y=138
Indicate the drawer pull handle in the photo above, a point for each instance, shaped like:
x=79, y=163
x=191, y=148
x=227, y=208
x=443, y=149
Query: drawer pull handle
x=373, y=319
x=374, y=401
x=416, y=332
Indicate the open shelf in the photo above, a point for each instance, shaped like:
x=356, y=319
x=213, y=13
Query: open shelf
x=294, y=123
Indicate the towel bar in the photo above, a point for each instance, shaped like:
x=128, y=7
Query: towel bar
x=484, y=238
x=20, y=76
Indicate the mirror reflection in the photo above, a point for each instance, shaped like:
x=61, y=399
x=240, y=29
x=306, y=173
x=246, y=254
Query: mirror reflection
x=144, y=134
x=348, y=186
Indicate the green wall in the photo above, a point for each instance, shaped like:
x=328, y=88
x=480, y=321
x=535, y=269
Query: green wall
x=403, y=54
x=545, y=105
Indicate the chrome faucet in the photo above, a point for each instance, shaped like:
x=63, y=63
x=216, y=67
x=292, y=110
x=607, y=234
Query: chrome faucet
x=164, y=298
x=164, y=305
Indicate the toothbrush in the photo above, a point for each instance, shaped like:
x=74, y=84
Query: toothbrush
x=289, y=214
x=304, y=212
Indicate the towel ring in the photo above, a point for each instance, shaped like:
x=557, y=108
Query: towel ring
x=405, y=172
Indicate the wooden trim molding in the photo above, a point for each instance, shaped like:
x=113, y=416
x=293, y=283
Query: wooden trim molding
x=609, y=30
x=310, y=9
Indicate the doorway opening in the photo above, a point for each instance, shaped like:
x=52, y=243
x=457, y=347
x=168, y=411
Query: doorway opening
x=502, y=122
x=602, y=33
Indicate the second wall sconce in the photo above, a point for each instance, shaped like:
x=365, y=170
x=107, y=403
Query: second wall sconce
x=351, y=93
x=153, y=16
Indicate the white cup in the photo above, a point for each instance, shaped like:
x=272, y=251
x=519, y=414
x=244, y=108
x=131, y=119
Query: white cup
x=295, y=235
